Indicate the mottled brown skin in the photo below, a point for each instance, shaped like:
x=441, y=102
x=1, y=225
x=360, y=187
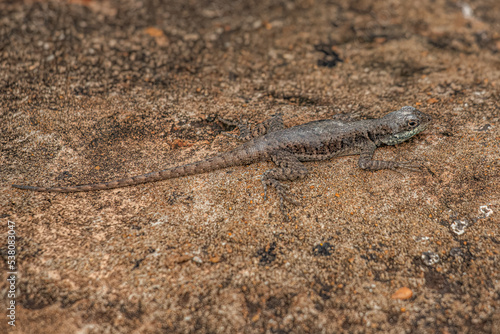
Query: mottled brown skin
x=288, y=148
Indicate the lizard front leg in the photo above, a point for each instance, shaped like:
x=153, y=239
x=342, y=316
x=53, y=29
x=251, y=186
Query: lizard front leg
x=365, y=161
x=248, y=132
x=290, y=168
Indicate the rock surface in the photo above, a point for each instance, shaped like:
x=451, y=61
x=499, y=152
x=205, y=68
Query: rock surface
x=98, y=90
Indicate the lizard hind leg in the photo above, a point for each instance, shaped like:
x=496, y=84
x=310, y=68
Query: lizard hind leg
x=290, y=168
x=248, y=132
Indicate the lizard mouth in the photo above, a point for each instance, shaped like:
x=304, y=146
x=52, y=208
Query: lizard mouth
x=421, y=128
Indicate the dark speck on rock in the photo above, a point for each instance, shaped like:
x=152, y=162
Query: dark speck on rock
x=323, y=249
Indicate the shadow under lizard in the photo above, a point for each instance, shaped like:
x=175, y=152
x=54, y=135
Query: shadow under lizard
x=289, y=147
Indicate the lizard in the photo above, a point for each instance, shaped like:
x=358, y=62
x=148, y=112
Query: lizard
x=289, y=147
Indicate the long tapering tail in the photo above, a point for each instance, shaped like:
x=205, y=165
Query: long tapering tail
x=239, y=156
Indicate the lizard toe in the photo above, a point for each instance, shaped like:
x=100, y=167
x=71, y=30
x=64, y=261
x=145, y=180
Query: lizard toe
x=409, y=166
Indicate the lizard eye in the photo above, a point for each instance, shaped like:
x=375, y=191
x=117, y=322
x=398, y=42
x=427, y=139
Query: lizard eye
x=412, y=123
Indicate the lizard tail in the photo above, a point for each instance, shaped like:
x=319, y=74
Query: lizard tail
x=228, y=159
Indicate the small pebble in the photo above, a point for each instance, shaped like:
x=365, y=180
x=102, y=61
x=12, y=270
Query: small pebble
x=430, y=258
x=402, y=293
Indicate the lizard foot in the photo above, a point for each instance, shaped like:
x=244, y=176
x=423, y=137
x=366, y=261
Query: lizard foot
x=289, y=198
x=283, y=192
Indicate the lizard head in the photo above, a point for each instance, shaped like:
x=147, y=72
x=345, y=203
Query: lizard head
x=405, y=123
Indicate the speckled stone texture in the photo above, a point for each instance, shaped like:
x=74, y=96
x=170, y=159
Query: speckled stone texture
x=98, y=90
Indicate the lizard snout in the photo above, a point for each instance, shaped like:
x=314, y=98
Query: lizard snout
x=426, y=118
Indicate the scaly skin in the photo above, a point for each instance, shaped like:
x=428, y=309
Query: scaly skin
x=288, y=148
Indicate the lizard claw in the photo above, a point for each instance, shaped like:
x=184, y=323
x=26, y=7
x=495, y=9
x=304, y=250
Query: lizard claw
x=285, y=186
x=284, y=213
x=408, y=165
x=286, y=196
x=226, y=121
x=230, y=135
x=290, y=199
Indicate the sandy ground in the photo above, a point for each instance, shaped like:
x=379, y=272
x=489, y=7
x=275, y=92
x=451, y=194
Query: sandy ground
x=97, y=90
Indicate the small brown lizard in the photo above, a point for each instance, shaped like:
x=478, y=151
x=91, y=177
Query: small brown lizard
x=289, y=147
